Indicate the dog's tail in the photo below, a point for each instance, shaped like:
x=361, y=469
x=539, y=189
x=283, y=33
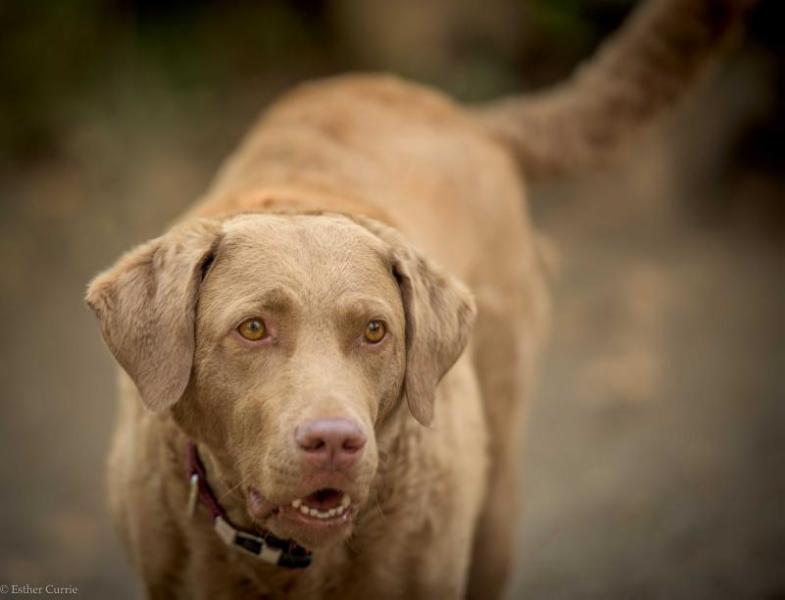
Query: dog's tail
x=640, y=71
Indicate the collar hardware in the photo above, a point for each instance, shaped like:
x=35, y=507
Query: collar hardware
x=193, y=495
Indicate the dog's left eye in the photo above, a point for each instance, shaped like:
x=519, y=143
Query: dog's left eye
x=374, y=331
x=252, y=329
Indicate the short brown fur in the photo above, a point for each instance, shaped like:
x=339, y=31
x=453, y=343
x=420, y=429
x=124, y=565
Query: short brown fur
x=337, y=208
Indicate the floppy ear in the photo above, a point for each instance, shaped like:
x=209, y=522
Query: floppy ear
x=439, y=312
x=146, y=304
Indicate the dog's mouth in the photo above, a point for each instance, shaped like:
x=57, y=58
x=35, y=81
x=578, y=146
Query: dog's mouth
x=323, y=504
x=310, y=518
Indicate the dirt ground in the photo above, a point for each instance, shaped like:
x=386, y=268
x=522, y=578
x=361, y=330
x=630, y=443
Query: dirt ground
x=654, y=466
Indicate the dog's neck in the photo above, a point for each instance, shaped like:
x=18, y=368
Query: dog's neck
x=291, y=199
x=400, y=440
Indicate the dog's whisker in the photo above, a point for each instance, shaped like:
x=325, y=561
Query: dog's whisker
x=229, y=492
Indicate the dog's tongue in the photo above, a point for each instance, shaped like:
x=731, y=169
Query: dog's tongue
x=324, y=499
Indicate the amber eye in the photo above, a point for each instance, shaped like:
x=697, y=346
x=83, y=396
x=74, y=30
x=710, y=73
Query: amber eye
x=252, y=329
x=374, y=332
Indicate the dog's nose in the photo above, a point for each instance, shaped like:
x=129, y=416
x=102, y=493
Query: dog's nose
x=330, y=443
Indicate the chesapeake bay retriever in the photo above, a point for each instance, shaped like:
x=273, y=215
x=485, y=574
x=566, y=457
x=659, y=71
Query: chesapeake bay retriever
x=310, y=406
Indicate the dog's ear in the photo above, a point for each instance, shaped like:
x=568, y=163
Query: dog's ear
x=439, y=313
x=146, y=304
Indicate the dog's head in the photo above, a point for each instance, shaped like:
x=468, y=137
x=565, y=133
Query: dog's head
x=283, y=344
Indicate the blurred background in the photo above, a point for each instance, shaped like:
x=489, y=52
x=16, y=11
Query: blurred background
x=655, y=464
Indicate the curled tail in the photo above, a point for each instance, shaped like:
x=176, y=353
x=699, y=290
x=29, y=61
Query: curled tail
x=640, y=71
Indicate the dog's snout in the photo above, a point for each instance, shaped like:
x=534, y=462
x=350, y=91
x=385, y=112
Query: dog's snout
x=330, y=443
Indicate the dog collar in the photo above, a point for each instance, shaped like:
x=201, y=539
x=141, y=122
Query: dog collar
x=265, y=546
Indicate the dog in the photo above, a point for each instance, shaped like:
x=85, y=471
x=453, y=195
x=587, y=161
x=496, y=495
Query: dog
x=326, y=361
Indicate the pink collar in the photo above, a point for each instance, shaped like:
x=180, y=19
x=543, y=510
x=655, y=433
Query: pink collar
x=265, y=546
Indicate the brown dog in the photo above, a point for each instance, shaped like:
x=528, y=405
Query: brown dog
x=306, y=409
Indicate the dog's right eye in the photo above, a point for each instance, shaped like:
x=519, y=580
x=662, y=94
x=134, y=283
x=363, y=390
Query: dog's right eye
x=252, y=329
x=374, y=332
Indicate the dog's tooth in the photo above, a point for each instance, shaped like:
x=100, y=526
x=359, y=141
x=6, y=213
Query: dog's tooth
x=313, y=512
x=339, y=509
x=332, y=512
x=297, y=503
x=304, y=509
x=346, y=501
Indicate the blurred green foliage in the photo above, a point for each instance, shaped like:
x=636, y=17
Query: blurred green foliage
x=55, y=54
x=47, y=52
